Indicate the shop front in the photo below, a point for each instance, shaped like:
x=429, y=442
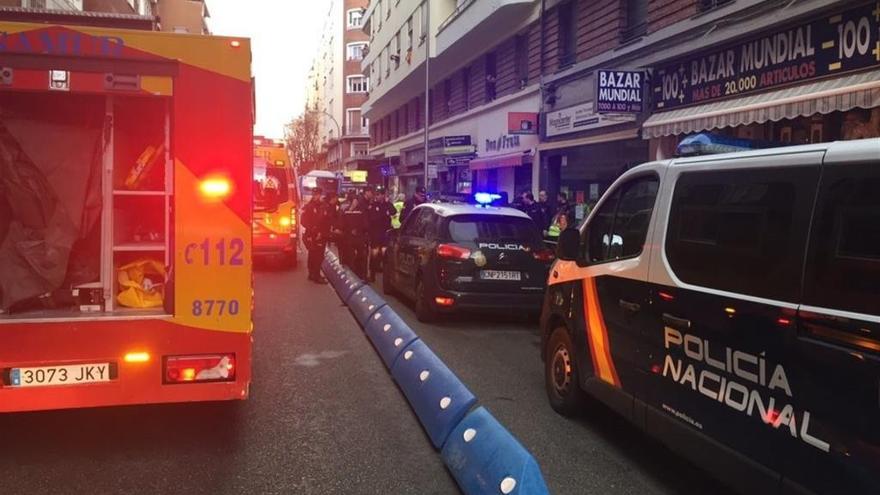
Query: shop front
x=813, y=81
x=505, y=151
x=582, y=152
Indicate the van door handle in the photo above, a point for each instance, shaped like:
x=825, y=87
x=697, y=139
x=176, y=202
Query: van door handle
x=629, y=306
x=676, y=322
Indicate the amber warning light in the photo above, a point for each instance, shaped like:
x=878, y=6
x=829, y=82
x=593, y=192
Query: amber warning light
x=215, y=188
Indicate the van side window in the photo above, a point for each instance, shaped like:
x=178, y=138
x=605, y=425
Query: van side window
x=619, y=228
x=843, y=267
x=742, y=231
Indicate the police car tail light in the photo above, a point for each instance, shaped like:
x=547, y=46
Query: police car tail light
x=544, y=254
x=453, y=252
x=200, y=368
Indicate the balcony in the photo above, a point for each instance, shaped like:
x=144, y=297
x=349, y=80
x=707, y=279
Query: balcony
x=470, y=23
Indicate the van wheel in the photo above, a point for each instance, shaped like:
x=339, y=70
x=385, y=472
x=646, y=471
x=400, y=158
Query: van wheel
x=424, y=310
x=561, y=377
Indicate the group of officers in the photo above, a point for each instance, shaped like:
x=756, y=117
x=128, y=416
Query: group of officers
x=358, y=225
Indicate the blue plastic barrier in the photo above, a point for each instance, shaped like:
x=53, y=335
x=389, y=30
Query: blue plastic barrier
x=389, y=334
x=363, y=301
x=438, y=397
x=327, y=266
x=485, y=458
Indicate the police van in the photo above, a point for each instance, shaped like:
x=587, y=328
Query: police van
x=729, y=305
x=450, y=256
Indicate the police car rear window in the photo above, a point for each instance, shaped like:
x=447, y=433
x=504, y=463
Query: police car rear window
x=470, y=228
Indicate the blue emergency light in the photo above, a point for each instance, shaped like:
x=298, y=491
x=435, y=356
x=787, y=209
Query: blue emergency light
x=484, y=198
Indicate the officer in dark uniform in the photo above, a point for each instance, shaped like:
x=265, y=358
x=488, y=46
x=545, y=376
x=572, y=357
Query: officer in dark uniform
x=354, y=234
x=316, y=219
x=418, y=197
x=379, y=214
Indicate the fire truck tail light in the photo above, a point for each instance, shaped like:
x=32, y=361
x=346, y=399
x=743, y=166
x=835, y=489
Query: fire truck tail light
x=137, y=357
x=215, y=188
x=200, y=368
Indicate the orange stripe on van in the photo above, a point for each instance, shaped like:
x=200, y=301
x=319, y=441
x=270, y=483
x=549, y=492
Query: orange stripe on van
x=597, y=335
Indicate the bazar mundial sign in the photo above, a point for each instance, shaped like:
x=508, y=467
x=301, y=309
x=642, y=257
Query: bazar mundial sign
x=835, y=43
x=619, y=91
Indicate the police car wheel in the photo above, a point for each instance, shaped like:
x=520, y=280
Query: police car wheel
x=561, y=374
x=424, y=311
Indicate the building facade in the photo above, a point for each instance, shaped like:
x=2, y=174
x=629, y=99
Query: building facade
x=768, y=71
x=182, y=16
x=179, y=16
x=336, y=87
x=484, y=97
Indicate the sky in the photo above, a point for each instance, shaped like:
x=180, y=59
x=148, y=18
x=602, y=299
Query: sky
x=285, y=36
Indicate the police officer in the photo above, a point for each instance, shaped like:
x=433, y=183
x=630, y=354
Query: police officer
x=533, y=210
x=418, y=197
x=316, y=220
x=354, y=234
x=379, y=215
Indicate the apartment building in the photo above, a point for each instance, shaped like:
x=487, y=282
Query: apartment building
x=337, y=88
x=179, y=16
x=766, y=70
x=182, y=16
x=484, y=75
x=130, y=14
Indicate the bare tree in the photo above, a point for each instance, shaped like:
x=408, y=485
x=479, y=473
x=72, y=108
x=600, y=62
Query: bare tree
x=303, y=144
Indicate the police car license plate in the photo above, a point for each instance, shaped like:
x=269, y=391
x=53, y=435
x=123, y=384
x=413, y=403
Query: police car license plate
x=499, y=275
x=59, y=375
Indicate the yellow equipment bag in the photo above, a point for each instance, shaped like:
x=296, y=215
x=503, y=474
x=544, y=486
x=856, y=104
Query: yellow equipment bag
x=141, y=284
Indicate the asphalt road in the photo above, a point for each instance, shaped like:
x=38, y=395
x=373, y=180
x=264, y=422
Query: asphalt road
x=324, y=417
x=600, y=453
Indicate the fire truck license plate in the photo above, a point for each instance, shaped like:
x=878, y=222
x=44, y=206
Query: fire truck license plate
x=60, y=375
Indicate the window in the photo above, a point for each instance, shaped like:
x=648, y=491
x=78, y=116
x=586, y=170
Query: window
x=418, y=113
x=619, y=229
x=742, y=231
x=354, y=18
x=843, y=268
x=409, y=32
x=705, y=5
x=567, y=26
x=521, y=55
x=353, y=122
x=387, y=54
x=396, y=55
x=359, y=149
x=417, y=223
x=491, y=76
x=356, y=84
x=471, y=228
x=447, y=95
x=466, y=87
x=355, y=51
x=423, y=25
x=636, y=19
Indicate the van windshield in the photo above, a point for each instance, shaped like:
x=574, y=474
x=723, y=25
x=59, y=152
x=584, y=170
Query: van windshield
x=270, y=188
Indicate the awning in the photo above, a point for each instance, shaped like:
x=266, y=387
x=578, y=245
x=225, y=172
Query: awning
x=844, y=93
x=601, y=138
x=501, y=161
